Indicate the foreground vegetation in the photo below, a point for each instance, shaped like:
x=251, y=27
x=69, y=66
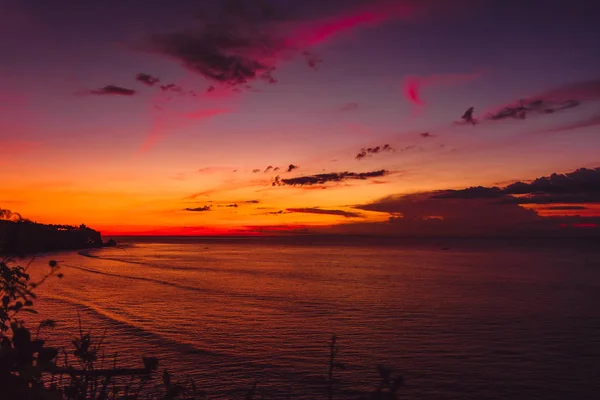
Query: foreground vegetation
x=30, y=370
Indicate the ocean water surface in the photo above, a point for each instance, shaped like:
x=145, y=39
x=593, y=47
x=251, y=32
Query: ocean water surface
x=459, y=319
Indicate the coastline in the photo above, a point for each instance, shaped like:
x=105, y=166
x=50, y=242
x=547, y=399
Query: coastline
x=25, y=238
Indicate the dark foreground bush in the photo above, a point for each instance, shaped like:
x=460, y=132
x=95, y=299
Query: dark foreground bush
x=30, y=370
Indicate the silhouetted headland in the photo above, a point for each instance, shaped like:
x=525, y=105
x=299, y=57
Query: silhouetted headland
x=26, y=237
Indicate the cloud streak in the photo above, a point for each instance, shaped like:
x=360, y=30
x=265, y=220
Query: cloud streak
x=147, y=79
x=199, y=209
x=321, y=179
x=370, y=151
x=113, y=90
x=413, y=85
x=316, y=210
x=549, y=102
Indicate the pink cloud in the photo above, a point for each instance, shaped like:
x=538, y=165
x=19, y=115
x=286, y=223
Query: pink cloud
x=590, y=122
x=169, y=113
x=264, y=57
x=583, y=91
x=413, y=84
x=165, y=123
x=167, y=118
x=315, y=33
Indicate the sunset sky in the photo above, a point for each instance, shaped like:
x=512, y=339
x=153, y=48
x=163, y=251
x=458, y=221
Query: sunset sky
x=252, y=117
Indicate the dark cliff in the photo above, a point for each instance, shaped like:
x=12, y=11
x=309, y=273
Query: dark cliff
x=26, y=237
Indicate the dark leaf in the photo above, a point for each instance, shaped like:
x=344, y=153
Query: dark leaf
x=166, y=379
x=150, y=363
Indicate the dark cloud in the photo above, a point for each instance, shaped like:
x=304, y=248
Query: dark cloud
x=171, y=87
x=550, y=102
x=426, y=135
x=421, y=206
x=537, y=106
x=147, y=79
x=237, y=44
x=276, y=169
x=232, y=45
x=369, y=151
x=424, y=214
x=280, y=212
x=580, y=186
x=320, y=179
x=316, y=210
x=312, y=60
x=113, y=90
x=276, y=212
x=468, y=118
x=350, y=107
x=490, y=211
x=199, y=209
x=153, y=81
x=255, y=171
x=583, y=180
x=270, y=167
x=292, y=167
x=252, y=201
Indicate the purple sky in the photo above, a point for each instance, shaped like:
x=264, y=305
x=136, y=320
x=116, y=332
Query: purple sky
x=86, y=141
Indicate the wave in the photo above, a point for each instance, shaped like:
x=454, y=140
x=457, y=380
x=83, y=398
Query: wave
x=206, y=290
x=170, y=267
x=88, y=254
x=134, y=333
x=129, y=327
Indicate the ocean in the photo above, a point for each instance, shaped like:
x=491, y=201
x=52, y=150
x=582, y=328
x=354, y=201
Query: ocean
x=457, y=318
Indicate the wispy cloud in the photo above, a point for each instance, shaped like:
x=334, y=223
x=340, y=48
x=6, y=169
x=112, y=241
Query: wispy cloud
x=321, y=179
x=199, y=209
x=147, y=79
x=547, y=103
x=369, y=151
x=239, y=44
x=585, y=123
x=316, y=210
x=112, y=90
x=413, y=85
